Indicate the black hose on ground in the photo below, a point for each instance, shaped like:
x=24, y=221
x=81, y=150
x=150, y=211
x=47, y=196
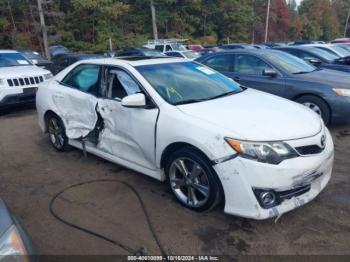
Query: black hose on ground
x=130, y=250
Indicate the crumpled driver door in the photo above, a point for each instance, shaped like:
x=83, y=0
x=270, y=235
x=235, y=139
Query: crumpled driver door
x=76, y=100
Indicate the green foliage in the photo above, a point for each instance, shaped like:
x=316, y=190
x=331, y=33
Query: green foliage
x=19, y=41
x=87, y=25
x=320, y=20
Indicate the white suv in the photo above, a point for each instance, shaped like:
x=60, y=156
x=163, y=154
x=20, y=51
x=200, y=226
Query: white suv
x=19, y=78
x=177, y=120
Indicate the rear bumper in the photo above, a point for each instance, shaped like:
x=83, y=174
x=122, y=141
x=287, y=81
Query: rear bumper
x=17, y=96
x=240, y=177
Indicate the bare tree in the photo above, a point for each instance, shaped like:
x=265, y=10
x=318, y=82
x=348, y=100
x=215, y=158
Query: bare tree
x=43, y=29
x=11, y=14
x=346, y=22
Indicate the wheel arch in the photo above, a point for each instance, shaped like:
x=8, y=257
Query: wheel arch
x=47, y=116
x=295, y=98
x=175, y=147
x=180, y=145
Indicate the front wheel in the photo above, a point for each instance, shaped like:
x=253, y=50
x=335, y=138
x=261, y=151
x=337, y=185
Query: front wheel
x=318, y=105
x=57, y=133
x=192, y=180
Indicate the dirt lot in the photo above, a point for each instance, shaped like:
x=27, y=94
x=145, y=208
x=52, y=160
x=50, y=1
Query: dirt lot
x=31, y=172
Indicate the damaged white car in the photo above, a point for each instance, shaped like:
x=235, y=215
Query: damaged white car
x=179, y=121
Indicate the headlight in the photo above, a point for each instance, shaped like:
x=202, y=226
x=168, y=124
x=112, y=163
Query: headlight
x=265, y=152
x=342, y=92
x=48, y=76
x=11, y=245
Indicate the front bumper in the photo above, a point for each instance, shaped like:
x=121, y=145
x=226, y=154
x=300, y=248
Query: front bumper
x=16, y=96
x=340, y=107
x=239, y=177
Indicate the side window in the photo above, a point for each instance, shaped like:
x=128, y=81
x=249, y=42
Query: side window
x=85, y=78
x=128, y=53
x=159, y=48
x=249, y=64
x=168, y=48
x=120, y=84
x=221, y=63
x=305, y=55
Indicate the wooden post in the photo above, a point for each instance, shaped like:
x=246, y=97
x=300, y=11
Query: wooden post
x=43, y=29
x=154, y=22
x=346, y=23
x=267, y=20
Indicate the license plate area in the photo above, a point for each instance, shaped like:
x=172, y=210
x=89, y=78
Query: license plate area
x=29, y=91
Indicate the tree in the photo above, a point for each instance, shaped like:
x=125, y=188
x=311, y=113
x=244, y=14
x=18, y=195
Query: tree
x=320, y=21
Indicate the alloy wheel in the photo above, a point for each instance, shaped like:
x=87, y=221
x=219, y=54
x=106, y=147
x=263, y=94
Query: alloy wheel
x=313, y=107
x=189, y=182
x=56, y=133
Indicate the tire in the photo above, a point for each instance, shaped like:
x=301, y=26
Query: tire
x=57, y=133
x=318, y=105
x=199, y=190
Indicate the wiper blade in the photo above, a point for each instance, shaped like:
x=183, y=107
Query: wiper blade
x=189, y=101
x=222, y=95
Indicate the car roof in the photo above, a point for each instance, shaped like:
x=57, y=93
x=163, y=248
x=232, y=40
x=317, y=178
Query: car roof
x=136, y=61
x=138, y=49
x=302, y=47
x=8, y=51
x=78, y=55
x=247, y=51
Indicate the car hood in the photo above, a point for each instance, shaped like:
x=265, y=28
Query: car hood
x=21, y=71
x=257, y=116
x=328, y=76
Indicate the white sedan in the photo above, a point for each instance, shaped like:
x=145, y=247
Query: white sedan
x=176, y=120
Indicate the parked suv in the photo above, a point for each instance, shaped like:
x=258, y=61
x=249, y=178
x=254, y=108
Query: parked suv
x=19, y=78
x=176, y=120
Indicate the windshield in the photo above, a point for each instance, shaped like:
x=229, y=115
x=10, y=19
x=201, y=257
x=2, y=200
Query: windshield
x=178, y=47
x=153, y=53
x=341, y=50
x=13, y=59
x=192, y=55
x=330, y=57
x=346, y=47
x=34, y=56
x=290, y=63
x=187, y=82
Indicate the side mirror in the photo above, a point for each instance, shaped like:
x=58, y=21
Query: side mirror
x=35, y=62
x=314, y=61
x=270, y=72
x=134, y=101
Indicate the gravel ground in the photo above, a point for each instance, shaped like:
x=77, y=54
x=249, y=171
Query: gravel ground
x=32, y=172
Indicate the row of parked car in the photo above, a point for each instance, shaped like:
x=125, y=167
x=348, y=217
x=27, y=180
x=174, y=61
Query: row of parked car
x=316, y=75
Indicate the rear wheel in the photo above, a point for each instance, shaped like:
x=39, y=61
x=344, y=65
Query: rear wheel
x=57, y=133
x=318, y=105
x=192, y=180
